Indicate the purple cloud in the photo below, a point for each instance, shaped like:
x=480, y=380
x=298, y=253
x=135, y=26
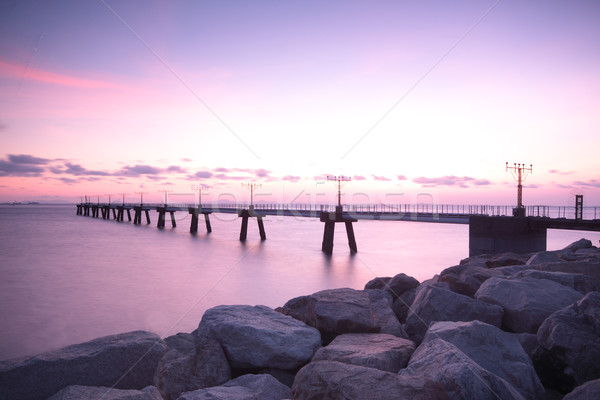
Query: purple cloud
x=380, y=178
x=402, y=178
x=138, y=170
x=359, y=178
x=201, y=175
x=451, y=180
x=291, y=178
x=176, y=169
x=555, y=171
x=592, y=183
x=27, y=159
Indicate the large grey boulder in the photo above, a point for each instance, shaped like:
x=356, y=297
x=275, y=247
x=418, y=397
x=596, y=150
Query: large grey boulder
x=123, y=361
x=374, y=350
x=588, y=391
x=259, y=337
x=527, y=302
x=337, y=311
x=466, y=279
x=580, y=282
x=395, y=285
x=402, y=304
x=572, y=336
x=191, y=363
x=77, y=392
x=580, y=244
x=333, y=380
x=462, y=377
x=245, y=387
x=494, y=350
x=436, y=304
x=544, y=257
x=590, y=267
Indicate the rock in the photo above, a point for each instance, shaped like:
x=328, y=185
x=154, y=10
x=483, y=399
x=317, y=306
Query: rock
x=494, y=350
x=590, y=268
x=527, y=302
x=377, y=283
x=246, y=387
x=543, y=257
x=402, y=304
x=466, y=279
x=437, y=304
x=512, y=270
x=504, y=259
x=587, y=391
x=374, y=350
x=580, y=244
x=259, y=337
x=528, y=342
x=123, y=361
x=462, y=377
x=579, y=282
x=337, y=311
x=572, y=336
x=77, y=392
x=190, y=363
x=334, y=380
x=400, y=284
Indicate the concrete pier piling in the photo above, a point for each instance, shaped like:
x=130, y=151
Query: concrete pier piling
x=330, y=219
x=245, y=214
x=195, y=213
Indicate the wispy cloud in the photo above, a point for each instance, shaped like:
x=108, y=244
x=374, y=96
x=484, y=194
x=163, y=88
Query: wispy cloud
x=592, y=183
x=402, y=178
x=380, y=178
x=451, y=180
x=555, y=171
x=24, y=72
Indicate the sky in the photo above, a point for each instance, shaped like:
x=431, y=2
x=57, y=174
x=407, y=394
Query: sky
x=415, y=101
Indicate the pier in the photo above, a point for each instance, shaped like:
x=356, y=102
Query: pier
x=492, y=229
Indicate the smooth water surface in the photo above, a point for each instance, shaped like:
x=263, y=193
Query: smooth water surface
x=66, y=278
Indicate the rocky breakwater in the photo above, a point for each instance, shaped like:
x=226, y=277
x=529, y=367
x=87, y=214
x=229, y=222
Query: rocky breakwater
x=509, y=326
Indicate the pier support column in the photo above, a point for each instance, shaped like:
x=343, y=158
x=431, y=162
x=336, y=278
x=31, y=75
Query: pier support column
x=128, y=215
x=245, y=214
x=207, y=221
x=351, y=238
x=195, y=212
x=173, y=224
x=161, y=217
x=330, y=219
x=328, y=233
x=491, y=235
x=244, y=229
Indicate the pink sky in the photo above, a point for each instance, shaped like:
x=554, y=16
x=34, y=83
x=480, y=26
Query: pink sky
x=414, y=100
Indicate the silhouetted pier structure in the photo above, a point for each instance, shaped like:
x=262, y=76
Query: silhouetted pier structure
x=492, y=229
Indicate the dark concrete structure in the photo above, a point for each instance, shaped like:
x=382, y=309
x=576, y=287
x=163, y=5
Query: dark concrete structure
x=195, y=212
x=490, y=235
x=245, y=214
x=330, y=219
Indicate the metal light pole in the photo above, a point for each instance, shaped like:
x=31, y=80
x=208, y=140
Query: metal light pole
x=520, y=172
x=339, y=180
x=123, y=194
x=199, y=188
x=141, y=197
x=165, y=191
x=251, y=186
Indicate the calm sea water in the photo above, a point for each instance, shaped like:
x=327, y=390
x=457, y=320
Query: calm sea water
x=65, y=278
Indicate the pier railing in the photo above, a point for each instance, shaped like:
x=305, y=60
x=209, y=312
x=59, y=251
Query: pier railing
x=567, y=212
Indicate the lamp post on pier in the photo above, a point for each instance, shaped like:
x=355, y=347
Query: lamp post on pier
x=199, y=189
x=519, y=172
x=251, y=186
x=166, y=192
x=339, y=180
x=123, y=195
x=141, y=197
